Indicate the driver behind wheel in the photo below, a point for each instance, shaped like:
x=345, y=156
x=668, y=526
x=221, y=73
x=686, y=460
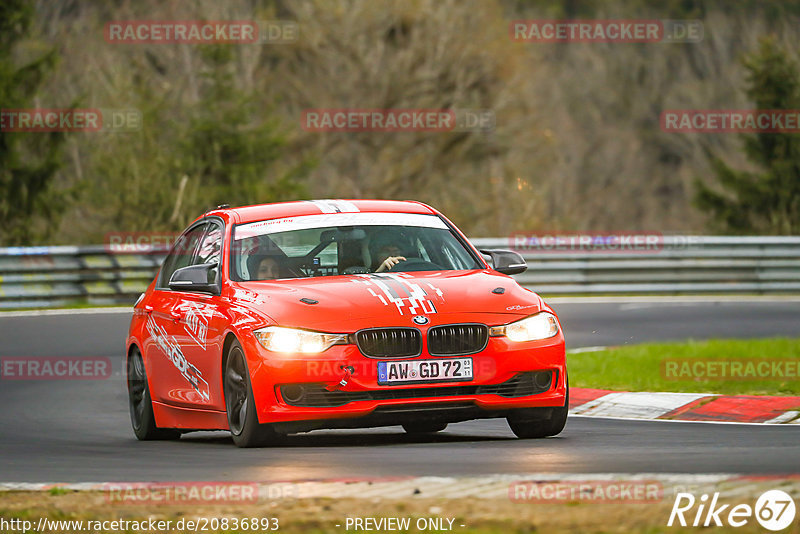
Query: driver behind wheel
x=386, y=250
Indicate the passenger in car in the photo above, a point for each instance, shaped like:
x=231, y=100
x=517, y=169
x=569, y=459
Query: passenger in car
x=263, y=267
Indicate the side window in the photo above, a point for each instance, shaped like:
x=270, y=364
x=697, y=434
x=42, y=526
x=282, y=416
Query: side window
x=181, y=254
x=210, y=250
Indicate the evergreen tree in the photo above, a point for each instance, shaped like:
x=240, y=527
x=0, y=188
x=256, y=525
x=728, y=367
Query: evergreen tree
x=232, y=144
x=29, y=204
x=768, y=201
x=220, y=147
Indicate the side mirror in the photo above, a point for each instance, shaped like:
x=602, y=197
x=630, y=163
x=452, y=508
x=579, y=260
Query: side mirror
x=200, y=278
x=506, y=261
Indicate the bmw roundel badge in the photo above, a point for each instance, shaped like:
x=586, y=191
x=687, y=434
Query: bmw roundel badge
x=421, y=319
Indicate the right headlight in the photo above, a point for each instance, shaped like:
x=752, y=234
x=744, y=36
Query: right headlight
x=293, y=340
x=543, y=325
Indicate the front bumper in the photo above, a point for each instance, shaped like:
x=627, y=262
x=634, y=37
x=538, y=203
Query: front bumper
x=361, y=401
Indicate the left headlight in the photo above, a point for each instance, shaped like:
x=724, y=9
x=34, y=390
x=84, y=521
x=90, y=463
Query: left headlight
x=292, y=340
x=540, y=326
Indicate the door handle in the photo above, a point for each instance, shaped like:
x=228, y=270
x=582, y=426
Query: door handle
x=148, y=309
x=176, y=316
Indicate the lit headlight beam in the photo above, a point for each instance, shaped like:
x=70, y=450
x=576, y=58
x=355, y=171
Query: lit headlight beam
x=543, y=325
x=295, y=341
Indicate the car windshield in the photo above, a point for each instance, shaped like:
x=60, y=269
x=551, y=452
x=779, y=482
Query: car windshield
x=345, y=243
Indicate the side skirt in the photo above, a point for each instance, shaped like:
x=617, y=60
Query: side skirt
x=189, y=418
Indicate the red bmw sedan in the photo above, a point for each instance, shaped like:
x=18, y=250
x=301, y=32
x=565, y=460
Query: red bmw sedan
x=290, y=317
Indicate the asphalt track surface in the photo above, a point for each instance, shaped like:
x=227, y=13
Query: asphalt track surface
x=79, y=431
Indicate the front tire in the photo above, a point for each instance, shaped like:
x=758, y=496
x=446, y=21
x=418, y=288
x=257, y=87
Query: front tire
x=140, y=404
x=527, y=424
x=240, y=404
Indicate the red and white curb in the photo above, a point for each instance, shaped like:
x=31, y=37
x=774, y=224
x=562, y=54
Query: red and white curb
x=485, y=487
x=684, y=406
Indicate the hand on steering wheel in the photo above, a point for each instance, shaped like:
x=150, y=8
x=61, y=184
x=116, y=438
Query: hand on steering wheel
x=388, y=263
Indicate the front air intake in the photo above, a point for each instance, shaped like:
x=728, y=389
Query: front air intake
x=389, y=342
x=457, y=339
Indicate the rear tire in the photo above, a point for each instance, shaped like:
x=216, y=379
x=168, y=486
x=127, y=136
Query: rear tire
x=424, y=427
x=140, y=404
x=525, y=424
x=240, y=405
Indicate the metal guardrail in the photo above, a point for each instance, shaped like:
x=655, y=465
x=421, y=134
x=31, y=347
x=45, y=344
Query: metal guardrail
x=675, y=265
x=54, y=276
x=51, y=276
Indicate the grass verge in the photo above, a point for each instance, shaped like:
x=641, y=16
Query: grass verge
x=694, y=367
x=326, y=515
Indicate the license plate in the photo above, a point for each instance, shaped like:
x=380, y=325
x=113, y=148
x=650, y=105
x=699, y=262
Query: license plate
x=403, y=372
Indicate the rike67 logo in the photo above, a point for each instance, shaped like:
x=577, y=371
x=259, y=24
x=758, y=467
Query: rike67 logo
x=774, y=510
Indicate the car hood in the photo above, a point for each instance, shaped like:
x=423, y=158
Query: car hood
x=349, y=303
